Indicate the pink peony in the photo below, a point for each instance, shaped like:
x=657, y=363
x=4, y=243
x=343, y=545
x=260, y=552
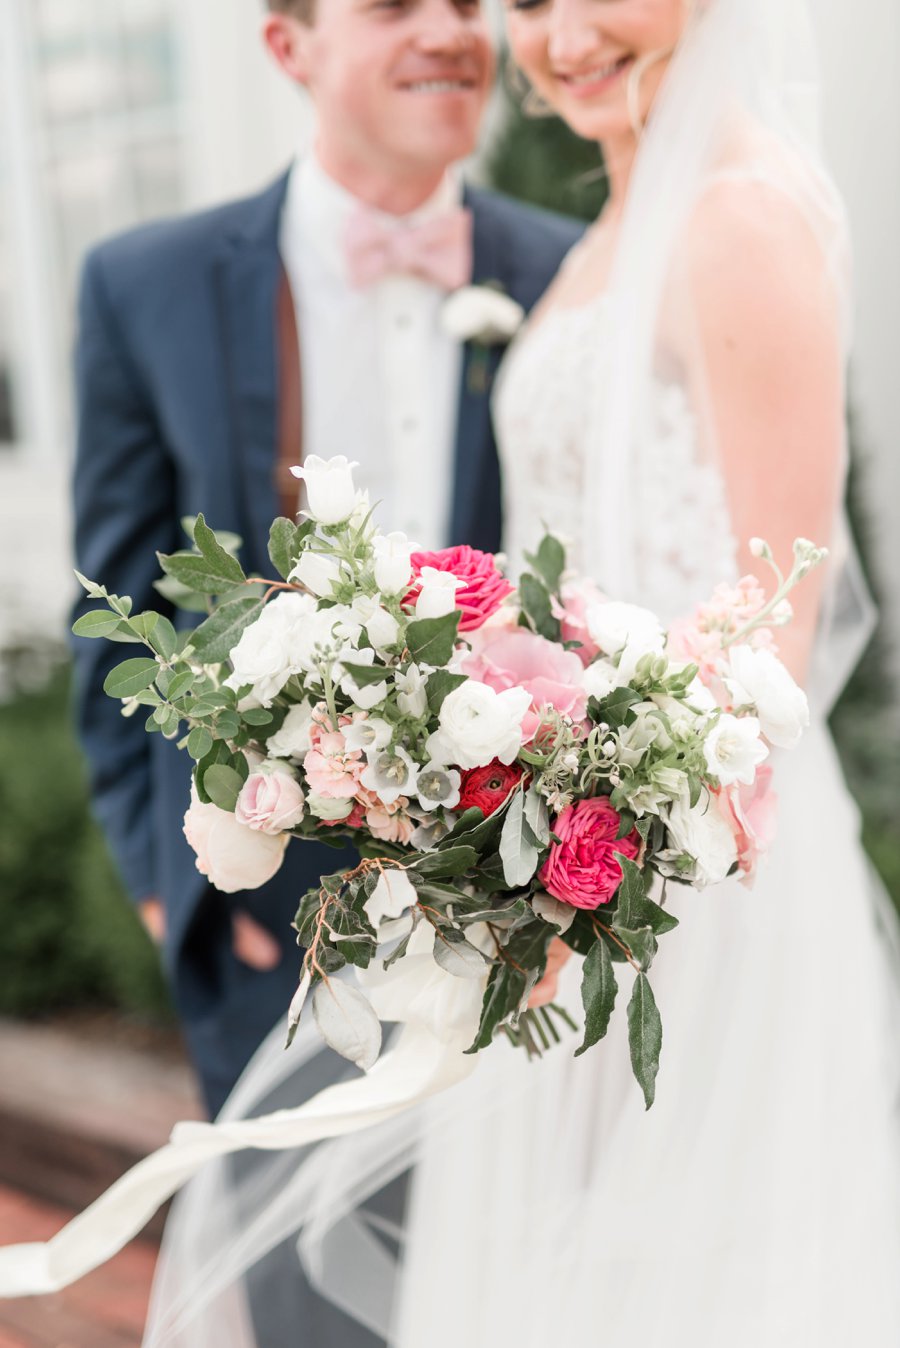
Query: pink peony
x=484, y=587
x=583, y=868
x=577, y=597
x=751, y=811
x=331, y=768
x=230, y=854
x=520, y=659
x=270, y=801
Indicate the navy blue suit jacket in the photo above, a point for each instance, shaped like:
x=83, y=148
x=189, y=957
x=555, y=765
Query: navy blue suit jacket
x=176, y=371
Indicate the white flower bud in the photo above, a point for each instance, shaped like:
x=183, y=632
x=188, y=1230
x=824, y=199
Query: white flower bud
x=330, y=493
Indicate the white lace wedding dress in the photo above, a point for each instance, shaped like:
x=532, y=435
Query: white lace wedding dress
x=756, y=1204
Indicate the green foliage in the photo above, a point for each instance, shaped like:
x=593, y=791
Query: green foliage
x=71, y=939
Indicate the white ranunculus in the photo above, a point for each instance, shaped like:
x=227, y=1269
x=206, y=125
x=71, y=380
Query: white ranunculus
x=482, y=314
x=330, y=493
x=231, y=855
x=393, y=896
x=704, y=834
x=269, y=651
x=757, y=679
x=393, y=568
x=412, y=698
x=292, y=740
x=382, y=627
x=615, y=627
x=317, y=573
x=437, y=596
x=600, y=678
x=733, y=749
x=478, y=725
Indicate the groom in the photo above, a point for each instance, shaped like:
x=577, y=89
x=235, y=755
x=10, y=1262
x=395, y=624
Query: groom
x=217, y=350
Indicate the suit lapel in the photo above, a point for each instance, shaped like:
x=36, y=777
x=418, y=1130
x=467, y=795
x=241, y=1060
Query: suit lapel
x=475, y=451
x=248, y=274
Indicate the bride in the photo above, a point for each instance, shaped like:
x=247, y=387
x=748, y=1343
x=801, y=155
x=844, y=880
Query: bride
x=679, y=391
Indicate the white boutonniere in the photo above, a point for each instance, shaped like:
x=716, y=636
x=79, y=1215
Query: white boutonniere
x=484, y=316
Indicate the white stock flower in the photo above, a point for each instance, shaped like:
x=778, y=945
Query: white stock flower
x=393, y=568
x=437, y=596
x=481, y=313
x=702, y=833
x=478, y=725
x=330, y=493
x=438, y=787
x=756, y=678
x=381, y=627
x=317, y=573
x=600, y=678
x=292, y=740
x=733, y=749
x=412, y=698
x=391, y=773
x=270, y=650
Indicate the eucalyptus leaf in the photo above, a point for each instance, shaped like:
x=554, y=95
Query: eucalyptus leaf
x=452, y=862
x=182, y=596
x=130, y=677
x=644, y=1037
x=517, y=851
x=598, y=995
x=641, y=943
x=347, y=1022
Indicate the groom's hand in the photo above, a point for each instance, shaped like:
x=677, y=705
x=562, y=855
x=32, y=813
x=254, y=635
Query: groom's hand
x=252, y=944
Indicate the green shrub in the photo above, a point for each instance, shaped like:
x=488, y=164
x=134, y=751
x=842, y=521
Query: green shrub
x=70, y=938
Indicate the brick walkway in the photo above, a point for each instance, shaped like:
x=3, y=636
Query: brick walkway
x=106, y=1309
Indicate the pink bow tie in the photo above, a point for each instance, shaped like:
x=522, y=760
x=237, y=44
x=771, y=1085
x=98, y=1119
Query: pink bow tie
x=437, y=250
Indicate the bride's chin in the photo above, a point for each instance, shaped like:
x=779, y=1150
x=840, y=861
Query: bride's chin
x=597, y=124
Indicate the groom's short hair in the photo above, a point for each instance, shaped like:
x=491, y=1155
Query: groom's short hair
x=301, y=9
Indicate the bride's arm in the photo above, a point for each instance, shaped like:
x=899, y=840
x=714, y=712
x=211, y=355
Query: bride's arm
x=773, y=376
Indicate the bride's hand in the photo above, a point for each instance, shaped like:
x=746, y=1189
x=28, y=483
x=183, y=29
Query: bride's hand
x=545, y=991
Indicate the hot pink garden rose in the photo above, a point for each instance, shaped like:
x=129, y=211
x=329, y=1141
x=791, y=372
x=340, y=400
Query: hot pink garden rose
x=231, y=855
x=270, y=801
x=583, y=867
x=483, y=590
x=521, y=659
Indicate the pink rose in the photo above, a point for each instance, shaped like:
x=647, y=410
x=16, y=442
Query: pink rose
x=751, y=811
x=270, y=801
x=483, y=590
x=577, y=597
x=230, y=854
x=583, y=867
x=520, y=659
x=331, y=768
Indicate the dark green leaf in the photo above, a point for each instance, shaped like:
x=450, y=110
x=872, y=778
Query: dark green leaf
x=282, y=546
x=614, y=710
x=430, y=641
x=366, y=675
x=627, y=821
x=504, y=992
x=130, y=677
x=630, y=892
x=644, y=1037
x=215, y=638
x=549, y=562
x=440, y=683
x=223, y=786
x=598, y=994
x=536, y=604
x=452, y=862
x=641, y=944
x=215, y=554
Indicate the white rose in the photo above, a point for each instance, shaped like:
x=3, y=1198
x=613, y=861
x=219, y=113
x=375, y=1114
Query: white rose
x=481, y=313
x=599, y=679
x=267, y=654
x=231, y=855
x=758, y=679
x=702, y=833
x=437, y=596
x=478, y=725
x=317, y=573
x=614, y=626
x=733, y=749
x=292, y=740
x=330, y=493
x=393, y=568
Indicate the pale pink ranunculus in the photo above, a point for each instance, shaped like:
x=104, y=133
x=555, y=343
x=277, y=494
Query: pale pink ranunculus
x=583, y=868
x=521, y=659
x=389, y=823
x=752, y=813
x=231, y=855
x=331, y=768
x=577, y=596
x=270, y=801
x=483, y=589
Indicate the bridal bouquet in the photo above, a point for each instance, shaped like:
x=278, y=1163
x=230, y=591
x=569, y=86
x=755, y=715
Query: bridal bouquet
x=517, y=766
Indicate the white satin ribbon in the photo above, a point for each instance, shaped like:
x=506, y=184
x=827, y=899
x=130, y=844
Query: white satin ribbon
x=438, y=1014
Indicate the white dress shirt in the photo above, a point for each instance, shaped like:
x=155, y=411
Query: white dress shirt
x=380, y=377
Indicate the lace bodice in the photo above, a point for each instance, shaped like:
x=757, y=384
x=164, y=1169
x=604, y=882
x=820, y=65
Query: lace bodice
x=541, y=410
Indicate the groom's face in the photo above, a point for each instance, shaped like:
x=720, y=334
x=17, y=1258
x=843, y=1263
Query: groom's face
x=399, y=85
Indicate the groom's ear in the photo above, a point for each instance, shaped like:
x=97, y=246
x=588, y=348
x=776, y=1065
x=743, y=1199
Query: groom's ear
x=288, y=40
